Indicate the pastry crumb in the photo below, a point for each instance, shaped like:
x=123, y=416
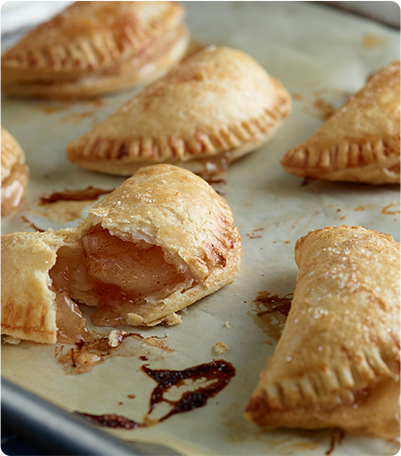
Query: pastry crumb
x=116, y=337
x=12, y=340
x=220, y=348
x=227, y=324
x=172, y=319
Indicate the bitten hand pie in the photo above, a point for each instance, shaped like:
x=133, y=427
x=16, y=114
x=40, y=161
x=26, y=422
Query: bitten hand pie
x=361, y=141
x=161, y=241
x=216, y=106
x=14, y=173
x=92, y=48
x=337, y=363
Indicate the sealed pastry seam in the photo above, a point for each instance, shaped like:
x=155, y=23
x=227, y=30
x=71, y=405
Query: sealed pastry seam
x=92, y=48
x=341, y=341
x=138, y=70
x=161, y=241
x=361, y=141
x=207, y=112
x=175, y=149
x=86, y=54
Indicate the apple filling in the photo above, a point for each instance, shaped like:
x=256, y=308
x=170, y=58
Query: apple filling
x=118, y=276
x=71, y=325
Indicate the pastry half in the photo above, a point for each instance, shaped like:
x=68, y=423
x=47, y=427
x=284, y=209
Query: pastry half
x=14, y=173
x=361, y=141
x=216, y=106
x=31, y=307
x=161, y=241
x=92, y=48
x=337, y=363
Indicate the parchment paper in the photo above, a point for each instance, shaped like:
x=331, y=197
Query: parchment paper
x=321, y=55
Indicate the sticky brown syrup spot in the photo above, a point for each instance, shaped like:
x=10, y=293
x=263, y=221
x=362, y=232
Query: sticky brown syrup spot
x=87, y=194
x=308, y=181
x=336, y=438
x=111, y=421
x=32, y=225
x=215, y=376
x=270, y=312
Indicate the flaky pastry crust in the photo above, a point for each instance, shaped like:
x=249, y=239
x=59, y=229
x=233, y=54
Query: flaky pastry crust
x=337, y=363
x=178, y=211
x=92, y=48
x=361, y=141
x=216, y=106
x=163, y=205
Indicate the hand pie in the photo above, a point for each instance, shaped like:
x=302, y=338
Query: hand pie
x=92, y=48
x=161, y=241
x=14, y=173
x=337, y=363
x=361, y=141
x=216, y=106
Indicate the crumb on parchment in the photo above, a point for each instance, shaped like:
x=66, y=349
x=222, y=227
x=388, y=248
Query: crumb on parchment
x=220, y=348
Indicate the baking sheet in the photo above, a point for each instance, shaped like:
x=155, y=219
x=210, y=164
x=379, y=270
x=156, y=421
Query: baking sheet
x=321, y=56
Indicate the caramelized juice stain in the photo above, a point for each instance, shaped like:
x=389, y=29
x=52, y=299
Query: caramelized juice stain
x=323, y=104
x=68, y=205
x=96, y=348
x=197, y=384
x=87, y=194
x=93, y=104
x=270, y=313
x=336, y=438
x=386, y=209
x=371, y=40
x=308, y=181
x=32, y=225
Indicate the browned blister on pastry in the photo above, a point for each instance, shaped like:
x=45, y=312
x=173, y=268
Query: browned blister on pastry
x=92, y=48
x=161, y=241
x=361, y=141
x=216, y=106
x=337, y=363
x=14, y=173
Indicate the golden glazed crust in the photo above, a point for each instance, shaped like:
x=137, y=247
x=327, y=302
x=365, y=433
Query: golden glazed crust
x=11, y=154
x=178, y=211
x=337, y=363
x=361, y=141
x=213, y=108
x=92, y=48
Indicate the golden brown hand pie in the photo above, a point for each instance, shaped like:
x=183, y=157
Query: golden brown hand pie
x=161, y=241
x=14, y=173
x=361, y=141
x=337, y=363
x=92, y=48
x=216, y=106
